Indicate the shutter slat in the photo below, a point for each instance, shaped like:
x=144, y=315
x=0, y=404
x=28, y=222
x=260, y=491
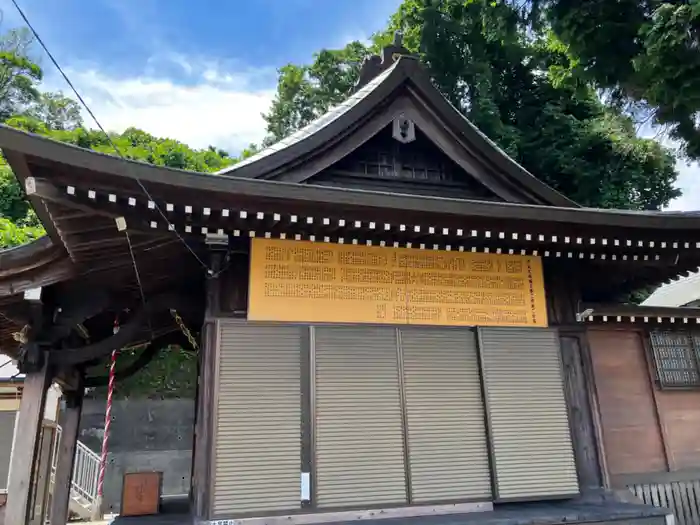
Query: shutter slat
x=530, y=436
x=258, y=446
x=359, y=442
x=447, y=445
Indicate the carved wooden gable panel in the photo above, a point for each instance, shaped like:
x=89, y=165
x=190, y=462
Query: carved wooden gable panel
x=414, y=166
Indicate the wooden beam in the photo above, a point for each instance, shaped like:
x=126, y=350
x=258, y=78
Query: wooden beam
x=66, y=456
x=126, y=334
x=54, y=271
x=24, y=455
x=132, y=332
x=22, y=171
x=46, y=191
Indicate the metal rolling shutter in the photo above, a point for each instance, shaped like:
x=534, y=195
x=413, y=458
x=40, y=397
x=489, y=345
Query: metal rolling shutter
x=528, y=419
x=358, y=423
x=258, y=444
x=448, y=451
x=7, y=434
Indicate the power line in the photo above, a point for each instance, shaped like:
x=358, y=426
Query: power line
x=138, y=278
x=112, y=143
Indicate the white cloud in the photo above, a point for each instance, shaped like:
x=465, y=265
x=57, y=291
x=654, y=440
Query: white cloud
x=216, y=106
x=689, y=183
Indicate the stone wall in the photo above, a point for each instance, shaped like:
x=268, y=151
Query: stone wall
x=145, y=435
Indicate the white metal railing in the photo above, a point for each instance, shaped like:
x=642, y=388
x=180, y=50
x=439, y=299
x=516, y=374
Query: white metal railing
x=86, y=468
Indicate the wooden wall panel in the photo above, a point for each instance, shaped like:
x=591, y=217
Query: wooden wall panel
x=679, y=412
x=631, y=432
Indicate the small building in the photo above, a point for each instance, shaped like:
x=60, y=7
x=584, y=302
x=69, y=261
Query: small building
x=392, y=318
x=10, y=396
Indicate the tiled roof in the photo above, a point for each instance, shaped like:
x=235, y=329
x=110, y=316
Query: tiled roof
x=677, y=293
x=316, y=125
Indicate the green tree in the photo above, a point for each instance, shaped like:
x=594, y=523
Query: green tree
x=490, y=64
x=12, y=235
x=644, y=53
x=13, y=206
x=306, y=92
x=56, y=111
x=19, y=73
x=132, y=143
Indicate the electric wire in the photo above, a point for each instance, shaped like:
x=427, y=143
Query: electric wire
x=138, y=279
x=36, y=35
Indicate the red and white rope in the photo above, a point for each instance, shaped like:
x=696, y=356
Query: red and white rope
x=108, y=418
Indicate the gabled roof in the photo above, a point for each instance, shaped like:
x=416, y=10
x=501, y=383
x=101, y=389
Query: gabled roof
x=318, y=125
x=408, y=79
x=60, y=163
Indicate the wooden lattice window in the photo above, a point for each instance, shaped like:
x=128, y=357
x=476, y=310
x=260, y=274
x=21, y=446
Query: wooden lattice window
x=384, y=157
x=677, y=358
x=399, y=161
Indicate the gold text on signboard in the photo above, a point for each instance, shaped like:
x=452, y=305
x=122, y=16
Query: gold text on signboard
x=299, y=281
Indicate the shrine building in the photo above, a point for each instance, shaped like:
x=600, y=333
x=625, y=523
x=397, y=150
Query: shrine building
x=393, y=319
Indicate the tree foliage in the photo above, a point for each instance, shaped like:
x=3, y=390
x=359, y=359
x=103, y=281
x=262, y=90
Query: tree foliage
x=12, y=235
x=171, y=373
x=57, y=112
x=644, y=52
x=19, y=74
x=307, y=92
x=509, y=81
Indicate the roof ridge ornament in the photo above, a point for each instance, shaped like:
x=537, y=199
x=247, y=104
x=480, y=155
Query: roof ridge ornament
x=374, y=65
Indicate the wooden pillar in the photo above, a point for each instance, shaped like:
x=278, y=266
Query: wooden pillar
x=576, y=390
x=24, y=455
x=564, y=305
x=202, y=474
x=66, y=456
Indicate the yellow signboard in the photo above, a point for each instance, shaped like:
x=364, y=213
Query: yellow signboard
x=300, y=281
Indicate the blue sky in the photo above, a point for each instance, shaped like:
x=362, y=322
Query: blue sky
x=123, y=35
x=202, y=71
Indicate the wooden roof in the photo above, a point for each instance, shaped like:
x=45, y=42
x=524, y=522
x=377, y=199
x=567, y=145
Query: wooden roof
x=78, y=194
x=60, y=165
x=649, y=316
x=403, y=88
x=677, y=293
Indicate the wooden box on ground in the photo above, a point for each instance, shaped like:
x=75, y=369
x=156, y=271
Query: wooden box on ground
x=141, y=493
